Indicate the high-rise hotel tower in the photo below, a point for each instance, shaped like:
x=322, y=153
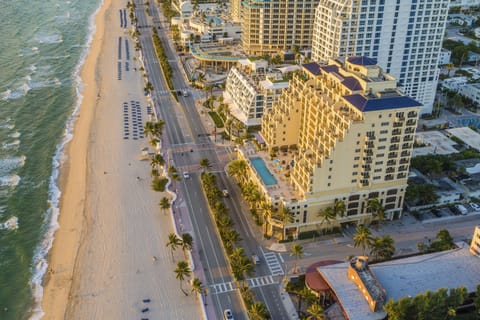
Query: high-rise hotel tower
x=405, y=36
x=350, y=133
x=270, y=26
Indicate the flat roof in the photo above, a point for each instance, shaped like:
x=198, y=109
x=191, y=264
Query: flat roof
x=406, y=277
x=446, y=269
x=437, y=143
x=467, y=135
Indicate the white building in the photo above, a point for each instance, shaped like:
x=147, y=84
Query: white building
x=445, y=56
x=471, y=91
x=461, y=19
x=464, y=3
x=405, y=37
x=252, y=88
x=454, y=83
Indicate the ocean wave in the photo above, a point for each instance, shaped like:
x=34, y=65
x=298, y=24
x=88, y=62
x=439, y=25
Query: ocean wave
x=51, y=216
x=9, y=164
x=15, y=135
x=45, y=38
x=11, y=145
x=9, y=181
x=16, y=93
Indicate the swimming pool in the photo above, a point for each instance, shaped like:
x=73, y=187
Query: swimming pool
x=261, y=168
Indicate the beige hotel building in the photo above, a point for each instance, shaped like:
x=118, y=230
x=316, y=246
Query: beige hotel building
x=347, y=134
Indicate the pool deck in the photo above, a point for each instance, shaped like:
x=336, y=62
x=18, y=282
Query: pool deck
x=282, y=190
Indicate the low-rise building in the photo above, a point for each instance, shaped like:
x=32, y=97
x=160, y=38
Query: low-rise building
x=461, y=19
x=454, y=83
x=464, y=3
x=444, y=57
x=406, y=277
x=471, y=90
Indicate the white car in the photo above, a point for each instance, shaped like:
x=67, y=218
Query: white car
x=186, y=175
x=227, y=314
x=475, y=206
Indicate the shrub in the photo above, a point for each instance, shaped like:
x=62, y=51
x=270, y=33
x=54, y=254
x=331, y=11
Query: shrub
x=158, y=184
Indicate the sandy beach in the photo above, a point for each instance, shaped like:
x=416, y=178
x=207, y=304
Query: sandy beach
x=100, y=265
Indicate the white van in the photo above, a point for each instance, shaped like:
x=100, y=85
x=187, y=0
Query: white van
x=462, y=209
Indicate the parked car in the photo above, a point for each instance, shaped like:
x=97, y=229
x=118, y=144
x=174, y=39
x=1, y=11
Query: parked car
x=255, y=259
x=475, y=206
x=462, y=209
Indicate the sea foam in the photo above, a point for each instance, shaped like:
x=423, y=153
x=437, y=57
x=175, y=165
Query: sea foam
x=51, y=216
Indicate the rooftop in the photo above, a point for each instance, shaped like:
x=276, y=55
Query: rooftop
x=406, y=277
x=467, y=135
x=367, y=103
x=362, y=61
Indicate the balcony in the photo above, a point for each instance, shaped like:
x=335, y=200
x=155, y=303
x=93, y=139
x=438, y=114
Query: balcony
x=393, y=147
x=391, y=163
x=390, y=170
x=389, y=177
x=401, y=175
x=396, y=132
x=405, y=154
x=411, y=122
x=398, y=124
x=395, y=140
x=407, y=138
x=403, y=161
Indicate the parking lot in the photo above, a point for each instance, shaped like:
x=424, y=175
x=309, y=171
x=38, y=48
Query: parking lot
x=449, y=211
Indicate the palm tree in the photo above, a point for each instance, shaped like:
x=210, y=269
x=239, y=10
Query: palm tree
x=153, y=142
x=307, y=295
x=339, y=208
x=205, y=164
x=376, y=209
x=258, y=311
x=316, y=312
x=158, y=127
x=173, y=242
x=297, y=251
x=230, y=238
x=286, y=217
x=382, y=248
x=197, y=287
x=187, y=243
x=157, y=161
x=266, y=208
x=362, y=238
x=238, y=169
x=327, y=215
x=164, y=203
x=148, y=129
x=182, y=271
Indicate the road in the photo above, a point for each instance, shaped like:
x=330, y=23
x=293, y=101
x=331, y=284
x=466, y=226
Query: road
x=187, y=142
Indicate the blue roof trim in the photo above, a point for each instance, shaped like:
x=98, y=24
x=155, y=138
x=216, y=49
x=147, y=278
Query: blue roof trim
x=312, y=67
x=362, y=61
x=351, y=83
x=364, y=104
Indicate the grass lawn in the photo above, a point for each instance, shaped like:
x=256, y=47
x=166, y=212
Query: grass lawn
x=216, y=118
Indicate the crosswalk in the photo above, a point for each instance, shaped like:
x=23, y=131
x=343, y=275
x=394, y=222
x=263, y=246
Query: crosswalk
x=273, y=263
x=218, y=288
x=167, y=92
x=260, y=281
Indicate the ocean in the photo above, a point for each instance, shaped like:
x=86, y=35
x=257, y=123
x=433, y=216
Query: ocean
x=42, y=46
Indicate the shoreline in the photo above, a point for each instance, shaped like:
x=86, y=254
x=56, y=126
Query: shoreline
x=71, y=220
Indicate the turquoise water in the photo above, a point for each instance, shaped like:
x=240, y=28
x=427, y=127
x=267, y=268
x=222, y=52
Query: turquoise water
x=42, y=44
x=265, y=174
